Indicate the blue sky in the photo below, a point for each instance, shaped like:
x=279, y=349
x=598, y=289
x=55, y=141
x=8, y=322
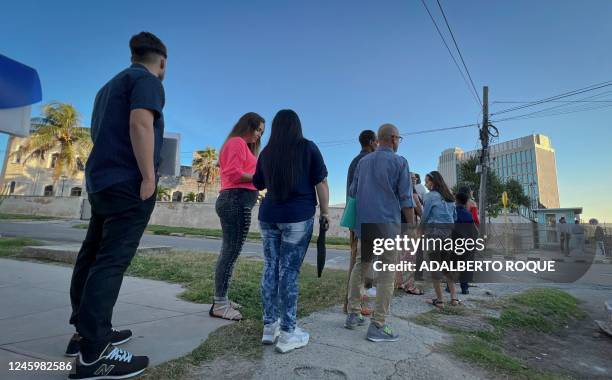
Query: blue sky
x=344, y=66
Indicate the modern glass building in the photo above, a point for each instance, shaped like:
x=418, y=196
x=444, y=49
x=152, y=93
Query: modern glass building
x=530, y=160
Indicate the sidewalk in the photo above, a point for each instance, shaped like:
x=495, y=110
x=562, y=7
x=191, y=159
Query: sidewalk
x=35, y=307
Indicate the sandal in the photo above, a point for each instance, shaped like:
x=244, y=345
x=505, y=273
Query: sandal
x=229, y=312
x=456, y=302
x=235, y=305
x=413, y=290
x=436, y=302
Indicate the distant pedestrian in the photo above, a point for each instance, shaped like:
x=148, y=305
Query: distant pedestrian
x=439, y=216
x=420, y=189
x=564, y=235
x=127, y=129
x=369, y=143
x=237, y=161
x=599, y=238
x=418, y=213
x=405, y=280
x=577, y=231
x=292, y=170
x=471, y=205
x=381, y=183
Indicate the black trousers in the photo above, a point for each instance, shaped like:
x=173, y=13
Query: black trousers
x=234, y=210
x=118, y=220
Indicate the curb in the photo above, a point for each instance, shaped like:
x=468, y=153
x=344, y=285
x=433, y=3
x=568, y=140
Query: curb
x=68, y=254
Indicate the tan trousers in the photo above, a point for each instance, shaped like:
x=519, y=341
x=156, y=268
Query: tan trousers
x=384, y=286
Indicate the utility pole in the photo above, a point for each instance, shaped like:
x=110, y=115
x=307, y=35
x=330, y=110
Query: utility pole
x=484, y=161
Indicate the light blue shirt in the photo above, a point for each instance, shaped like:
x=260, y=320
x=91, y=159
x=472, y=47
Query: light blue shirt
x=437, y=210
x=381, y=188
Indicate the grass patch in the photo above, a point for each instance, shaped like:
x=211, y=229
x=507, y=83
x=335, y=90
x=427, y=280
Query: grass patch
x=330, y=241
x=538, y=310
x=196, y=272
x=11, y=247
x=543, y=310
x=25, y=217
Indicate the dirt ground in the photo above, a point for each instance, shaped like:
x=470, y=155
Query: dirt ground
x=580, y=350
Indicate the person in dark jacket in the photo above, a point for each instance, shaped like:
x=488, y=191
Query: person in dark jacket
x=465, y=228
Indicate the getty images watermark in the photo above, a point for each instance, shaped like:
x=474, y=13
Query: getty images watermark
x=510, y=252
x=448, y=246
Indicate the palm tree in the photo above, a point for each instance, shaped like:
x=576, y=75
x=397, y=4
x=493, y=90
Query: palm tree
x=58, y=131
x=163, y=193
x=206, y=165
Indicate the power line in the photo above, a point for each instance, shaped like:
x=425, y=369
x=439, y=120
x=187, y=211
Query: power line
x=474, y=94
x=525, y=116
x=334, y=143
x=556, y=101
x=534, y=115
x=557, y=97
x=459, y=51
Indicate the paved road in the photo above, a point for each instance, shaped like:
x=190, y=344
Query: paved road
x=63, y=231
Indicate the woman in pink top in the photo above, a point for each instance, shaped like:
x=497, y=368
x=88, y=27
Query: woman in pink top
x=237, y=197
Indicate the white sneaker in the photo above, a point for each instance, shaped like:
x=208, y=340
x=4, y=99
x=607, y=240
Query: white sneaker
x=290, y=341
x=271, y=331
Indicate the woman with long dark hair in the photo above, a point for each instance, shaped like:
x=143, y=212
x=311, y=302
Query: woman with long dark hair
x=437, y=223
x=292, y=170
x=237, y=161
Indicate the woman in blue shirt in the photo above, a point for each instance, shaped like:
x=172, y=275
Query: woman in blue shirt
x=292, y=170
x=439, y=215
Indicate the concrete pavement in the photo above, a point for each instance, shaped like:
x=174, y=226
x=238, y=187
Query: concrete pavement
x=35, y=307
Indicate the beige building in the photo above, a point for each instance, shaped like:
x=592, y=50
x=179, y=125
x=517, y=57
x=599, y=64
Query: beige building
x=180, y=187
x=34, y=177
x=530, y=160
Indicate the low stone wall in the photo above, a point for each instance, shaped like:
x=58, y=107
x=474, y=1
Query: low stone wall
x=61, y=207
x=203, y=215
x=177, y=214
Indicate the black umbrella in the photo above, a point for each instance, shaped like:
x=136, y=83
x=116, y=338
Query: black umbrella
x=323, y=227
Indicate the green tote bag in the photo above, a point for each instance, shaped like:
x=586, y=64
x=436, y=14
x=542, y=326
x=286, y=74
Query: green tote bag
x=348, y=217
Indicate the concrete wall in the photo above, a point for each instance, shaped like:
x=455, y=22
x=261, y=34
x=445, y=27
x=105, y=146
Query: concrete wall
x=203, y=215
x=178, y=214
x=61, y=207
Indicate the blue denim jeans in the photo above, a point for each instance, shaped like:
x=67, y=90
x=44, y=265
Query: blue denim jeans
x=285, y=245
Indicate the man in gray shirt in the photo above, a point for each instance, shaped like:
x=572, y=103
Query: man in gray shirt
x=382, y=187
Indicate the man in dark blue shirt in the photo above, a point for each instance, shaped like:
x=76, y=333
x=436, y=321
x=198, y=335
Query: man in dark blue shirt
x=127, y=130
x=369, y=143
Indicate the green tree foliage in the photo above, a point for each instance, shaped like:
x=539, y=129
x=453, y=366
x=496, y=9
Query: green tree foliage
x=467, y=176
x=516, y=194
x=163, y=193
x=59, y=132
x=205, y=164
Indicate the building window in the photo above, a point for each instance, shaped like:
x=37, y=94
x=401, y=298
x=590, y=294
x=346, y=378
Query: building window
x=76, y=192
x=54, y=158
x=79, y=164
x=48, y=191
x=12, y=187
